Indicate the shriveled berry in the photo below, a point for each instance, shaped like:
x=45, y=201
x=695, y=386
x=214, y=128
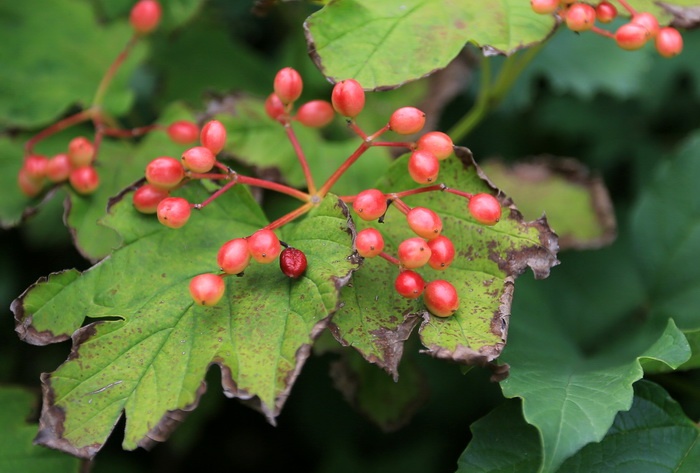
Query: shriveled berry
x=164, y=172
x=669, y=42
x=440, y=297
x=145, y=16
x=407, y=120
x=213, y=136
x=264, y=246
x=423, y=167
x=293, y=262
x=183, y=132
x=173, y=212
x=233, y=256
x=288, y=85
x=348, y=98
x=369, y=242
x=84, y=180
x=442, y=253
x=58, y=168
x=485, y=209
x=147, y=197
x=315, y=114
x=413, y=253
x=198, y=159
x=424, y=222
x=207, y=289
x=81, y=151
x=409, y=284
x=437, y=143
x=370, y=204
x=274, y=108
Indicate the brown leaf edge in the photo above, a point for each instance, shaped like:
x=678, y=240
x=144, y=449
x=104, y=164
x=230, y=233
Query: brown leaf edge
x=683, y=17
x=51, y=422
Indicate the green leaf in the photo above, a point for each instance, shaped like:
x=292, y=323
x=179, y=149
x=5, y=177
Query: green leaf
x=17, y=451
x=58, y=42
x=375, y=320
x=384, y=44
x=149, y=346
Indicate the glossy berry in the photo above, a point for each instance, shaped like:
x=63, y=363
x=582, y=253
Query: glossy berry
x=544, y=6
x=84, y=179
x=233, y=256
x=580, y=17
x=669, y=42
x=183, y=132
x=264, y=246
x=423, y=167
x=35, y=166
x=348, y=98
x=413, y=253
x=370, y=204
x=164, y=172
x=274, y=108
x=409, y=284
x=29, y=187
x=407, y=120
x=80, y=151
x=145, y=16
x=292, y=262
x=605, y=12
x=315, y=114
x=631, y=36
x=437, y=143
x=369, y=242
x=147, y=197
x=440, y=297
x=207, y=289
x=198, y=159
x=485, y=209
x=442, y=253
x=648, y=21
x=58, y=168
x=213, y=136
x=424, y=222
x=288, y=85
x=173, y=212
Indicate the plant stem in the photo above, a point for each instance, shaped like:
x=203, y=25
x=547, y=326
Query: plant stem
x=285, y=219
x=274, y=186
x=58, y=126
x=112, y=71
x=364, y=146
x=119, y=133
x=395, y=144
x=311, y=186
x=628, y=7
x=390, y=258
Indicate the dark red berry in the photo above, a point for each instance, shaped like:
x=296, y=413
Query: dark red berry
x=292, y=262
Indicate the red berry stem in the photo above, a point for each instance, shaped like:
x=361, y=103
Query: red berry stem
x=628, y=7
x=311, y=186
x=390, y=258
x=356, y=129
x=294, y=214
x=133, y=132
x=395, y=144
x=421, y=190
x=56, y=127
x=379, y=133
x=215, y=195
x=602, y=32
x=112, y=71
x=274, y=186
x=457, y=192
x=398, y=203
x=364, y=146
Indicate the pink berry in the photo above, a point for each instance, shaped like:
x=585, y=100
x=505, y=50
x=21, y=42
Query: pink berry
x=424, y=222
x=580, y=17
x=293, y=262
x=648, y=21
x=145, y=16
x=198, y=159
x=80, y=151
x=35, y=166
x=173, y=212
x=631, y=36
x=207, y=289
x=423, y=167
x=84, y=180
x=29, y=187
x=58, y=168
x=183, y=132
x=605, y=12
x=274, y=107
x=234, y=256
x=442, y=253
x=369, y=242
x=370, y=204
x=164, y=172
x=348, y=98
x=413, y=253
x=213, y=136
x=288, y=85
x=669, y=42
x=409, y=284
x=264, y=246
x=315, y=114
x=147, y=197
x=440, y=297
x=407, y=120
x=485, y=209
x=544, y=7
x=437, y=143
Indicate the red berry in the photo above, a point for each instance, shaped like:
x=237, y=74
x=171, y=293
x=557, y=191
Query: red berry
x=605, y=12
x=648, y=21
x=485, y=209
x=407, y=120
x=424, y=222
x=409, y=284
x=145, y=16
x=348, y=98
x=147, y=197
x=164, y=172
x=234, y=256
x=440, y=297
x=183, y=132
x=442, y=253
x=369, y=242
x=437, y=143
x=274, y=107
x=84, y=180
x=173, y=212
x=198, y=159
x=413, y=253
x=631, y=36
x=315, y=114
x=80, y=151
x=58, y=168
x=29, y=187
x=35, y=166
x=264, y=246
x=544, y=6
x=288, y=85
x=207, y=289
x=213, y=136
x=669, y=42
x=292, y=262
x=580, y=17
x=423, y=167
x=370, y=204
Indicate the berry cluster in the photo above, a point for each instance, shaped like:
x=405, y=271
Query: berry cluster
x=642, y=27
x=429, y=246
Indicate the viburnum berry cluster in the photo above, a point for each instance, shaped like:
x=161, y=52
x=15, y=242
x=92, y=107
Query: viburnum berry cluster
x=429, y=246
x=634, y=34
